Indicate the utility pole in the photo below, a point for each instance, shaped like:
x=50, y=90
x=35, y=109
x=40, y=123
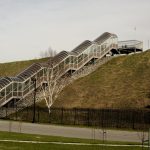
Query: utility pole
x=148, y=44
x=34, y=82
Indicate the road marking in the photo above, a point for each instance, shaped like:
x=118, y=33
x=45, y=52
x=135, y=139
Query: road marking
x=63, y=143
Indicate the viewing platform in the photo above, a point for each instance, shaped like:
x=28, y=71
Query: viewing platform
x=130, y=46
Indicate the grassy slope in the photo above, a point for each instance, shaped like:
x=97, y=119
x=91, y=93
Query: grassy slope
x=122, y=82
x=13, y=68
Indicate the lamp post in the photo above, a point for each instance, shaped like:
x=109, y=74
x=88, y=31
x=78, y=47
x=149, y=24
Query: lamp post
x=34, y=83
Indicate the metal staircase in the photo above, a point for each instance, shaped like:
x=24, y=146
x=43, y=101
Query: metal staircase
x=77, y=74
x=28, y=100
x=77, y=62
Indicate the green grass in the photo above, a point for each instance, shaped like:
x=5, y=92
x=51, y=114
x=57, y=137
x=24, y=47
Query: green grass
x=45, y=138
x=41, y=146
x=29, y=146
x=122, y=82
x=13, y=68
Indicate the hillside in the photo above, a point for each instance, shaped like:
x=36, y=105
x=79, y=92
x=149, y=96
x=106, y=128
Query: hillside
x=13, y=68
x=122, y=82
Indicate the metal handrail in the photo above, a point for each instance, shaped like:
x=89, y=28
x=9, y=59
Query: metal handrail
x=130, y=44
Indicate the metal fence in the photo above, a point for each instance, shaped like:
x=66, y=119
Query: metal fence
x=106, y=118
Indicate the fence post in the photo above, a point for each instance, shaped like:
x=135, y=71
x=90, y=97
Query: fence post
x=27, y=114
x=117, y=119
x=88, y=113
x=133, y=119
x=38, y=114
x=49, y=115
x=102, y=115
x=6, y=112
x=16, y=113
x=74, y=116
x=62, y=115
x=99, y=118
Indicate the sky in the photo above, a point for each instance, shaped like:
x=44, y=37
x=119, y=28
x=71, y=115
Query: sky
x=28, y=27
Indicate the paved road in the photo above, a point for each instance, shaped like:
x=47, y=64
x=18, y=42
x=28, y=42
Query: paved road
x=86, y=133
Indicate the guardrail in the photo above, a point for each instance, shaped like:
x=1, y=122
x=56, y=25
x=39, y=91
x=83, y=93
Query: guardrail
x=130, y=44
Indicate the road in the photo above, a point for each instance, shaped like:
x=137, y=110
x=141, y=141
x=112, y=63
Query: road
x=75, y=132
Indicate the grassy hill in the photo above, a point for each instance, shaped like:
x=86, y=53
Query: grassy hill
x=122, y=82
x=13, y=68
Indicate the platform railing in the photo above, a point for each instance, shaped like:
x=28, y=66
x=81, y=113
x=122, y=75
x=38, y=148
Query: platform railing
x=130, y=44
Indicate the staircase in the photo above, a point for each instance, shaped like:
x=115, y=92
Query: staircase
x=77, y=61
x=81, y=61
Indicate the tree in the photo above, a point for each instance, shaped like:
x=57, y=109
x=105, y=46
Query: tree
x=48, y=53
x=51, y=52
x=54, y=85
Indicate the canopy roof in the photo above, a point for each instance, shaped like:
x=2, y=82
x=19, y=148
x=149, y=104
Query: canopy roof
x=29, y=71
x=103, y=37
x=4, y=81
x=83, y=46
x=60, y=56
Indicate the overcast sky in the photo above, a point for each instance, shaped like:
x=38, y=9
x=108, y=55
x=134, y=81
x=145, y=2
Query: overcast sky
x=28, y=27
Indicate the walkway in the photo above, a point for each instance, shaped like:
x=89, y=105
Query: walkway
x=74, y=132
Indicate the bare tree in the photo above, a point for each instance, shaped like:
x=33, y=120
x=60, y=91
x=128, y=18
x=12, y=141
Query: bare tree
x=51, y=52
x=54, y=85
x=48, y=53
x=142, y=137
